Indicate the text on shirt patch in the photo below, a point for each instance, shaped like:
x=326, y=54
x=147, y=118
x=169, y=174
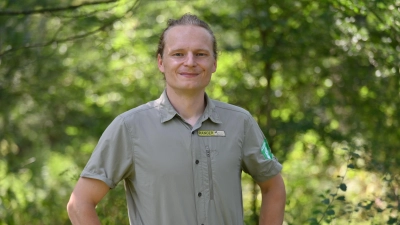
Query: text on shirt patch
x=211, y=133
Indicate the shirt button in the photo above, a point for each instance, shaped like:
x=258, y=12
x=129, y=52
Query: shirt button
x=197, y=161
x=199, y=194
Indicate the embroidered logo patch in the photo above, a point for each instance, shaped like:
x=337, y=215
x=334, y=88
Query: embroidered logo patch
x=211, y=133
x=266, y=150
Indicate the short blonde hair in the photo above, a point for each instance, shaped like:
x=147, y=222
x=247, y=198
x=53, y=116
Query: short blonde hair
x=186, y=19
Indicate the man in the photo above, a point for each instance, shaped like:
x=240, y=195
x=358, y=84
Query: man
x=181, y=156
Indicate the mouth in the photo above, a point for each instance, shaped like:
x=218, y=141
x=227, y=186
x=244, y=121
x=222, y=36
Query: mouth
x=188, y=74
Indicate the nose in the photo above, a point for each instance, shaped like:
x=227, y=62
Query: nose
x=190, y=60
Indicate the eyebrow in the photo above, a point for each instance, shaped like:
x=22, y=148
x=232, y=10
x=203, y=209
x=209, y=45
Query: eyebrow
x=195, y=50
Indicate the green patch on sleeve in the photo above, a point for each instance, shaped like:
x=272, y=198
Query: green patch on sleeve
x=266, y=150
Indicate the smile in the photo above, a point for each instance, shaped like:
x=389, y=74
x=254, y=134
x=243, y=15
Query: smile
x=188, y=74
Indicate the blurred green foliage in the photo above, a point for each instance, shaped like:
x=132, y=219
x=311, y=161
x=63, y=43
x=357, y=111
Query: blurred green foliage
x=322, y=78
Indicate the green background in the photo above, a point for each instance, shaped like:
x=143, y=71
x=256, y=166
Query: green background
x=321, y=78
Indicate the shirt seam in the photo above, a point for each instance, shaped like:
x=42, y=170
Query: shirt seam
x=240, y=110
x=245, y=135
x=132, y=158
x=135, y=111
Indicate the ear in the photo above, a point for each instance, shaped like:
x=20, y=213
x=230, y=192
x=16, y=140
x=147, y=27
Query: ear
x=160, y=63
x=215, y=66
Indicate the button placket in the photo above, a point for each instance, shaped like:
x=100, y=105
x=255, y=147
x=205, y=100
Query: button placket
x=198, y=171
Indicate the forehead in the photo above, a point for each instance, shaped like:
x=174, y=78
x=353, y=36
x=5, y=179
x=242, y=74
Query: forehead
x=187, y=35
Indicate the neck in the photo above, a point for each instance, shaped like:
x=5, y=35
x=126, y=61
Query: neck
x=189, y=106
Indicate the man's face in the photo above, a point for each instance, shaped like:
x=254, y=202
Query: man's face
x=188, y=60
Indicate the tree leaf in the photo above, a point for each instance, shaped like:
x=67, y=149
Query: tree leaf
x=343, y=187
x=330, y=212
x=326, y=201
x=341, y=198
x=392, y=220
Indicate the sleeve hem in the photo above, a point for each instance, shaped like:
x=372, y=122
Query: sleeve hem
x=109, y=182
x=275, y=170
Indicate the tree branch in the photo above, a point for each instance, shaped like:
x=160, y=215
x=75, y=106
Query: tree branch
x=61, y=40
x=392, y=32
x=56, y=9
x=74, y=37
x=334, y=196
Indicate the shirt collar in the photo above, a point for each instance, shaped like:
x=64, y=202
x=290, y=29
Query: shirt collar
x=167, y=111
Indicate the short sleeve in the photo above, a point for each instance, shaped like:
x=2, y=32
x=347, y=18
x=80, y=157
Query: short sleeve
x=111, y=160
x=258, y=160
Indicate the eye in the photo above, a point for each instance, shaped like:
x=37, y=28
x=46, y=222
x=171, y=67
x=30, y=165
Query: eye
x=178, y=54
x=201, y=54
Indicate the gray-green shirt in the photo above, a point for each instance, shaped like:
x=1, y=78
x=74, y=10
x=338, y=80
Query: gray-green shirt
x=178, y=174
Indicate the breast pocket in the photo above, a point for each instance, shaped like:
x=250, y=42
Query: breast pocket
x=223, y=161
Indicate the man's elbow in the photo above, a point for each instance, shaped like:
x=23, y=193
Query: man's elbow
x=76, y=208
x=71, y=208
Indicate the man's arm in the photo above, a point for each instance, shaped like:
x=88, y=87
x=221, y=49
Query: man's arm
x=273, y=201
x=81, y=206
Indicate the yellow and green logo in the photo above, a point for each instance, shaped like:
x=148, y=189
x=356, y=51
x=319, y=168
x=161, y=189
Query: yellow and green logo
x=211, y=133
